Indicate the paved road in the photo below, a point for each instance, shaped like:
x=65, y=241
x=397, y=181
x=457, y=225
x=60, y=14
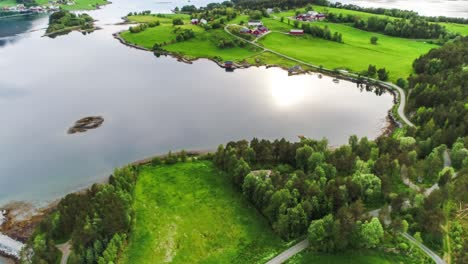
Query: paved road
x=401, y=107
x=430, y=253
x=66, y=250
x=447, y=163
x=289, y=252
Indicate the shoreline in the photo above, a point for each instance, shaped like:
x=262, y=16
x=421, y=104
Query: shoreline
x=392, y=122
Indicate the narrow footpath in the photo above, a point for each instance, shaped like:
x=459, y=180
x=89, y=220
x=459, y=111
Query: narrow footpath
x=65, y=248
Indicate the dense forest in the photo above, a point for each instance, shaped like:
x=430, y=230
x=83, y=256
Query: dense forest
x=97, y=222
x=438, y=94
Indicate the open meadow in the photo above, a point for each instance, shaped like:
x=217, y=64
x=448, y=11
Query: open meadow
x=190, y=213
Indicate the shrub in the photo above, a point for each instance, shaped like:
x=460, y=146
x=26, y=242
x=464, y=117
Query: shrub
x=177, y=21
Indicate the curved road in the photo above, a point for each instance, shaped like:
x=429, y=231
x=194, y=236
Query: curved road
x=430, y=253
x=288, y=253
x=389, y=85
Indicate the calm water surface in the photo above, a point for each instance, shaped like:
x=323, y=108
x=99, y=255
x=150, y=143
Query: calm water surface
x=150, y=105
x=450, y=8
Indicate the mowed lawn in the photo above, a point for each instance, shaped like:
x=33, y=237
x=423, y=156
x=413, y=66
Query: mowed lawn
x=356, y=53
x=365, y=257
x=190, y=213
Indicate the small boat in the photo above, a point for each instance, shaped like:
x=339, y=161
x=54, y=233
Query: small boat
x=336, y=80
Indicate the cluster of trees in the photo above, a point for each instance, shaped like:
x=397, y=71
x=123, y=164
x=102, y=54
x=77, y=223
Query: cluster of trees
x=141, y=27
x=394, y=12
x=64, y=19
x=224, y=43
x=373, y=72
x=142, y=13
x=345, y=231
x=320, y=32
x=177, y=22
x=415, y=27
x=97, y=222
x=183, y=34
x=439, y=89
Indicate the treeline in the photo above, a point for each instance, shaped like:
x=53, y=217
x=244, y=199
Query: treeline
x=141, y=27
x=317, y=31
x=320, y=32
x=439, y=91
x=405, y=28
x=394, y=12
x=96, y=222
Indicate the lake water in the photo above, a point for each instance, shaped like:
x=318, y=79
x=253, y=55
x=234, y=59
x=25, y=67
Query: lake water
x=450, y=8
x=150, y=105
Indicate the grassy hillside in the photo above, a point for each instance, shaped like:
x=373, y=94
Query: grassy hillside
x=204, y=45
x=189, y=213
x=395, y=54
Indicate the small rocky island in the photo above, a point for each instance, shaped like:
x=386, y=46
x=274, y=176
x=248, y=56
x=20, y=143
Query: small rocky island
x=86, y=123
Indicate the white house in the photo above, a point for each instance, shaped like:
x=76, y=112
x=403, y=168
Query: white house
x=255, y=23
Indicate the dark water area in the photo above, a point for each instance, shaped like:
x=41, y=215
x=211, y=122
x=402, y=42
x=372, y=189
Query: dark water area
x=150, y=105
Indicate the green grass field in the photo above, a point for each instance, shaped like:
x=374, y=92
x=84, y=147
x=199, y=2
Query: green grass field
x=190, y=213
x=452, y=27
x=365, y=257
x=395, y=54
x=4, y=3
x=204, y=45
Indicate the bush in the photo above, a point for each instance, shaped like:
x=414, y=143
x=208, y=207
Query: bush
x=177, y=22
x=154, y=24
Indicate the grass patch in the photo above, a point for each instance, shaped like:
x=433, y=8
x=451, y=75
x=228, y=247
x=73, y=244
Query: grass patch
x=190, y=213
x=360, y=257
x=5, y=3
x=456, y=28
x=204, y=45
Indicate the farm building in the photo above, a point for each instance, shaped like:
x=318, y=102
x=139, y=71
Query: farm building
x=296, y=32
x=245, y=31
x=311, y=16
x=255, y=23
